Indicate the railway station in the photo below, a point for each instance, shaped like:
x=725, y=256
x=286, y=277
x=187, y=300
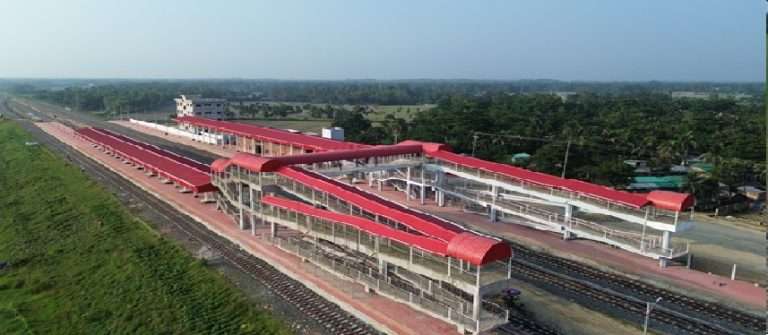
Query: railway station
x=308, y=193
x=326, y=209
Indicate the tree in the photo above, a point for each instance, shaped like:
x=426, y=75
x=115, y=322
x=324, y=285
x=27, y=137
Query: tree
x=354, y=124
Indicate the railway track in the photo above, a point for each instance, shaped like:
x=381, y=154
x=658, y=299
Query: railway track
x=667, y=321
x=612, y=293
x=520, y=325
x=327, y=314
x=713, y=312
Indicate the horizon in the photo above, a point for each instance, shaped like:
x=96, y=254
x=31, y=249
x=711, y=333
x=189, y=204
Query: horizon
x=576, y=81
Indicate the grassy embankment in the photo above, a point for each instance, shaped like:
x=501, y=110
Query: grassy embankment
x=80, y=264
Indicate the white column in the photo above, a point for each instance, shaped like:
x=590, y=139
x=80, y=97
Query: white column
x=250, y=214
x=423, y=187
x=440, y=195
x=240, y=204
x=664, y=246
x=407, y=184
x=477, y=297
x=568, y=225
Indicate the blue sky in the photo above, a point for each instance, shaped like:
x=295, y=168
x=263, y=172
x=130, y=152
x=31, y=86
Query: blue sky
x=508, y=39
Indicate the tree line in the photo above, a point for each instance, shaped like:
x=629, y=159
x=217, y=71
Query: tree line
x=603, y=131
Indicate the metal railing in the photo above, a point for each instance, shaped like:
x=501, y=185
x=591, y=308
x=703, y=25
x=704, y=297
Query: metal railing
x=439, y=302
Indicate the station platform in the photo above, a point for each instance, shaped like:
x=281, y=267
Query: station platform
x=384, y=314
x=708, y=286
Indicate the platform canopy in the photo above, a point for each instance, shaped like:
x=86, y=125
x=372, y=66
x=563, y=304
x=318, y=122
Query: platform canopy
x=164, y=163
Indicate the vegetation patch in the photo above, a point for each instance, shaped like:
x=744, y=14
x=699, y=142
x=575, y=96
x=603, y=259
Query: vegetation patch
x=78, y=262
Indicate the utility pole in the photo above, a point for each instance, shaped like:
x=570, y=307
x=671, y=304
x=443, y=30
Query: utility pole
x=565, y=160
x=474, y=144
x=648, y=308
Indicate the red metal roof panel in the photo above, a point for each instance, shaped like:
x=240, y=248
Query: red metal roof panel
x=185, y=175
x=422, y=242
x=478, y=249
x=672, y=201
x=424, y=223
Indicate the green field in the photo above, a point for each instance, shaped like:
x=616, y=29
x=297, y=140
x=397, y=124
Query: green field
x=406, y=112
x=300, y=125
x=81, y=264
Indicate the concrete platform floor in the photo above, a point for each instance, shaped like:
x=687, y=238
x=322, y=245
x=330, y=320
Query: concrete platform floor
x=739, y=293
x=385, y=314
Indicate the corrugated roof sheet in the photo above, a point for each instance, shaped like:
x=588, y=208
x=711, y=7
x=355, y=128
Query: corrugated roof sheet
x=159, y=161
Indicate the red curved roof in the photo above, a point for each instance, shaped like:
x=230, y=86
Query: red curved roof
x=428, y=147
x=421, y=222
x=478, y=249
x=220, y=164
x=672, y=201
x=308, y=142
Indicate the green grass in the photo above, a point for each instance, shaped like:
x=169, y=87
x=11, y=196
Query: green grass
x=81, y=264
x=304, y=126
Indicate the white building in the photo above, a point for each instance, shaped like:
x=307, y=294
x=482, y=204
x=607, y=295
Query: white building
x=335, y=133
x=194, y=105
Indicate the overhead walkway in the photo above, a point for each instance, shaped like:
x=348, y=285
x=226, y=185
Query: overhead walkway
x=418, y=258
x=509, y=192
x=659, y=210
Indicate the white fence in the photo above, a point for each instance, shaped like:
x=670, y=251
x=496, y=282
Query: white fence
x=204, y=137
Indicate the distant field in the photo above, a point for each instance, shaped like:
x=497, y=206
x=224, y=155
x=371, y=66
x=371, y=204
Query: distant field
x=406, y=112
x=81, y=264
